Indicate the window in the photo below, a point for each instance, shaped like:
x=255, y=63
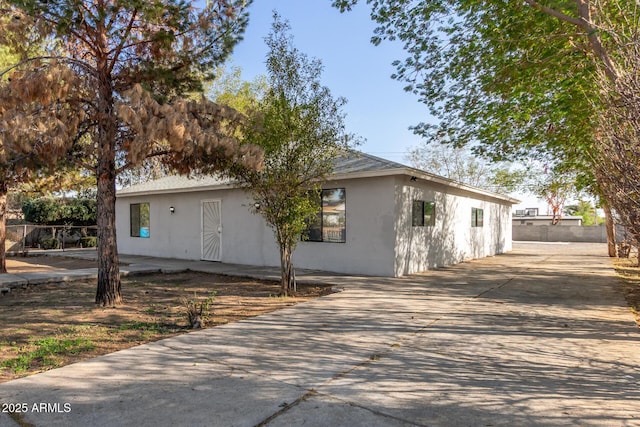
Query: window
x=140, y=220
x=330, y=224
x=477, y=217
x=423, y=213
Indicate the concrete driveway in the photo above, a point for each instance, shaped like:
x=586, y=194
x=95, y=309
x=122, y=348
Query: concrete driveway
x=540, y=336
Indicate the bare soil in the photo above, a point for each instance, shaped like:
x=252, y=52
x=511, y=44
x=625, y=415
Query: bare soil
x=629, y=271
x=36, y=264
x=47, y=326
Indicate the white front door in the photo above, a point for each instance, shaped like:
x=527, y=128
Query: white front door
x=211, y=230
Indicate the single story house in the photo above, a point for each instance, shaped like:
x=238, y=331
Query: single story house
x=378, y=218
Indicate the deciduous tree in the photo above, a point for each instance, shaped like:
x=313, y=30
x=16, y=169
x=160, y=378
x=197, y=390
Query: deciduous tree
x=518, y=78
x=127, y=63
x=555, y=188
x=460, y=164
x=300, y=126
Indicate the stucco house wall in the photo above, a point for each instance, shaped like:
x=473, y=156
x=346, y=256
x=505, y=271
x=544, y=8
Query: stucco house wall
x=380, y=239
x=369, y=245
x=245, y=237
x=451, y=239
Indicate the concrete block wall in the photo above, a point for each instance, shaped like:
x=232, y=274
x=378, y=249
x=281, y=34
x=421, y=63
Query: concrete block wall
x=554, y=233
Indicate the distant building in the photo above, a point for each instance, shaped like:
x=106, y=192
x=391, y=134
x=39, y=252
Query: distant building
x=530, y=216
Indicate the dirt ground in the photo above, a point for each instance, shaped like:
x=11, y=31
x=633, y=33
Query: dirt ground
x=35, y=264
x=47, y=326
x=629, y=270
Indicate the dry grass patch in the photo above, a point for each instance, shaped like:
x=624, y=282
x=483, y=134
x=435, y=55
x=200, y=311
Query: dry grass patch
x=47, y=326
x=628, y=270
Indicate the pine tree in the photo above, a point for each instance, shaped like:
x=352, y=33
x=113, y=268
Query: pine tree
x=122, y=67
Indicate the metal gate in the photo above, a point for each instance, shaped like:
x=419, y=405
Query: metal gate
x=211, y=230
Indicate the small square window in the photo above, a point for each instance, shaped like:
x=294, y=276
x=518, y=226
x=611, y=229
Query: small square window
x=423, y=213
x=477, y=217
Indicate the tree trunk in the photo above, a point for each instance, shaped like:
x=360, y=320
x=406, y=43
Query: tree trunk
x=3, y=227
x=108, y=292
x=286, y=269
x=109, y=288
x=611, y=230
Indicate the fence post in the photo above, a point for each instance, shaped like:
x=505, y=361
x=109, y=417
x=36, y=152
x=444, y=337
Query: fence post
x=24, y=239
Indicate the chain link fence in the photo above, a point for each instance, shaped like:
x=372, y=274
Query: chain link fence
x=21, y=238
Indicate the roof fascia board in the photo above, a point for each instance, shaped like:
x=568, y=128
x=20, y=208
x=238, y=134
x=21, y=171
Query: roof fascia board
x=177, y=190
x=425, y=176
x=342, y=176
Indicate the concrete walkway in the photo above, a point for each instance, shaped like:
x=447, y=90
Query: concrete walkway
x=541, y=336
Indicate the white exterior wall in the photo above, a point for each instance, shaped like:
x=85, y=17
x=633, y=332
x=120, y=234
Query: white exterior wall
x=380, y=239
x=246, y=239
x=370, y=236
x=452, y=239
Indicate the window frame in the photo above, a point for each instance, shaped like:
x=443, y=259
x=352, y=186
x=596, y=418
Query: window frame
x=136, y=224
x=477, y=217
x=312, y=231
x=419, y=214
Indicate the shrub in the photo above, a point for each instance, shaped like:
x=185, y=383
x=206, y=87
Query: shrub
x=50, y=243
x=198, y=310
x=50, y=211
x=89, y=241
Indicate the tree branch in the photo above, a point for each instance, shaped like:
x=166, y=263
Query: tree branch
x=585, y=22
x=73, y=61
x=556, y=14
x=118, y=50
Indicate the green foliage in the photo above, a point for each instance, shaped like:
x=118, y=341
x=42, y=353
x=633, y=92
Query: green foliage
x=50, y=211
x=300, y=126
x=198, y=310
x=229, y=89
x=586, y=210
x=89, y=241
x=46, y=352
x=50, y=243
x=506, y=77
x=555, y=188
x=6, y=59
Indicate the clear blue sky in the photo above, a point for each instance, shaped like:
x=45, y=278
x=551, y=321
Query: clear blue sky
x=378, y=109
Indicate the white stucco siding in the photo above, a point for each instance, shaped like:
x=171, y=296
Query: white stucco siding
x=452, y=239
x=167, y=235
x=380, y=239
x=369, y=245
x=245, y=238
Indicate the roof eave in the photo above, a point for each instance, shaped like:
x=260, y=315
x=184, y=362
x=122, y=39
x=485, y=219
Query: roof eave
x=425, y=176
x=193, y=189
x=336, y=177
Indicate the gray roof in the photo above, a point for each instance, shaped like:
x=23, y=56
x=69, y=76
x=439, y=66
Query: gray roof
x=352, y=165
x=360, y=162
x=352, y=162
x=175, y=182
